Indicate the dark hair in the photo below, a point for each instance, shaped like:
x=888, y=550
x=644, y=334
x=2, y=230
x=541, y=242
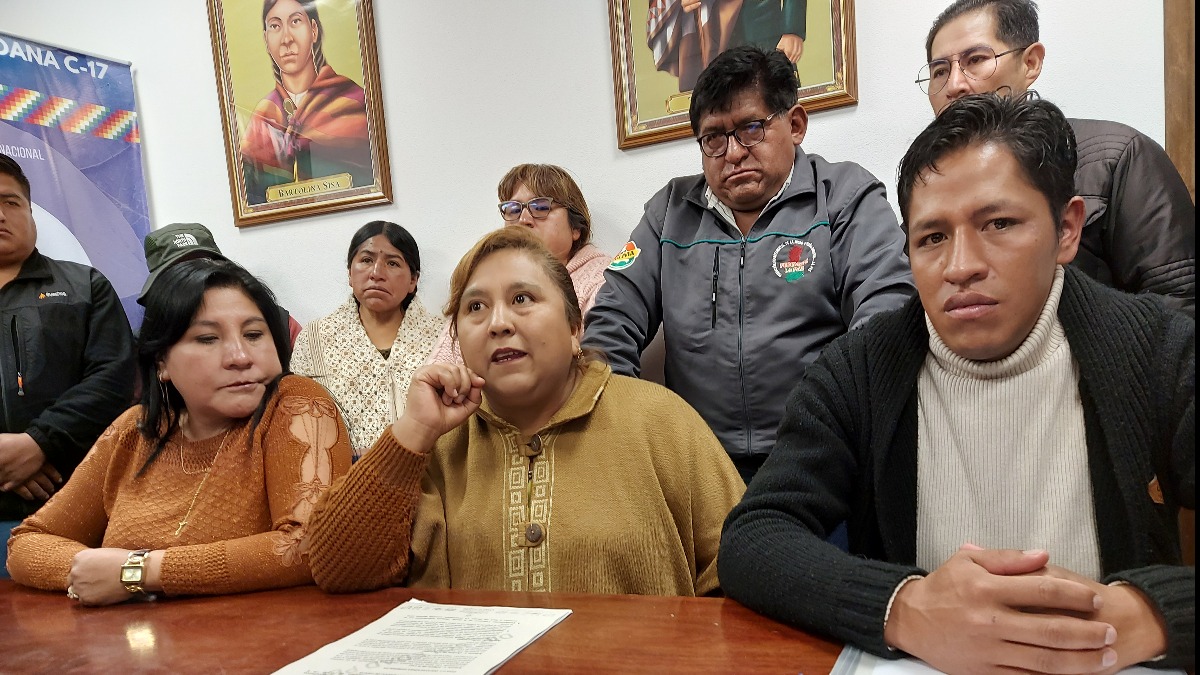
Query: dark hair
x=1036, y=133
x=548, y=180
x=171, y=304
x=9, y=167
x=741, y=68
x=310, y=8
x=1016, y=21
x=397, y=236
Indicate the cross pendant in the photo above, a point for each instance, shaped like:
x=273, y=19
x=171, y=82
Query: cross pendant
x=182, y=524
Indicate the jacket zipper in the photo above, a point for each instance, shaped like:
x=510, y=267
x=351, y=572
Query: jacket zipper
x=716, y=274
x=741, y=361
x=16, y=342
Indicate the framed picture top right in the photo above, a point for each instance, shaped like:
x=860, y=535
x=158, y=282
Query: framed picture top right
x=659, y=48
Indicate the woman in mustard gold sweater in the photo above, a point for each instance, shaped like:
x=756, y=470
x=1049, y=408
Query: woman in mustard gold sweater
x=531, y=467
x=205, y=488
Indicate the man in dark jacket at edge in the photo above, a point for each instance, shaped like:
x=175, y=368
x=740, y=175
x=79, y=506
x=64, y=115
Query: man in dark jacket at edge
x=66, y=357
x=1009, y=450
x=1139, y=227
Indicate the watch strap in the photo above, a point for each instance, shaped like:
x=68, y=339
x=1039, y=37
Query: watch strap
x=133, y=572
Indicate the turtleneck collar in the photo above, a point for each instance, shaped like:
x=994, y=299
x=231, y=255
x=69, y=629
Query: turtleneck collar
x=1045, y=338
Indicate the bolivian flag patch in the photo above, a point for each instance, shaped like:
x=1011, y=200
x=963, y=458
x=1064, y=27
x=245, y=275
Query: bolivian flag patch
x=625, y=258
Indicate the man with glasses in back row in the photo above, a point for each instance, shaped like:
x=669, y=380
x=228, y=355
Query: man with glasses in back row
x=754, y=266
x=1140, y=229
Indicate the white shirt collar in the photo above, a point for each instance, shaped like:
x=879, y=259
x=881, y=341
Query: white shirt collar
x=726, y=213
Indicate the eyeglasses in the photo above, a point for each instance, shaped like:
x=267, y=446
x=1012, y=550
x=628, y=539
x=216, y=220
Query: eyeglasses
x=539, y=208
x=977, y=63
x=748, y=135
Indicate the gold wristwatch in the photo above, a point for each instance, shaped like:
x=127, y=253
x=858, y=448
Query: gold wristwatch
x=133, y=572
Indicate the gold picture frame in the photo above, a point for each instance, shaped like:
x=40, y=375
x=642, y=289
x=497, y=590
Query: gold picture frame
x=294, y=154
x=653, y=64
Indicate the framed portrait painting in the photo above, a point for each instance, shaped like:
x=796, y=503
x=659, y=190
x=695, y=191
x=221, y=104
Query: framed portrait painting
x=298, y=82
x=659, y=48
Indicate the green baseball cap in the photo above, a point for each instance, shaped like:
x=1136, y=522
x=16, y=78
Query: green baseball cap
x=168, y=245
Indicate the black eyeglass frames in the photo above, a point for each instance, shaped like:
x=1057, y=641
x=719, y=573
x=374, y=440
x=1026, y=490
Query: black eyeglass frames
x=748, y=135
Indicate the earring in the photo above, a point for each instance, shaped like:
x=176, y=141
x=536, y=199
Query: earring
x=313, y=50
x=162, y=387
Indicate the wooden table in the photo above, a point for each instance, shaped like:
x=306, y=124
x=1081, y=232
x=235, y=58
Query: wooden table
x=44, y=632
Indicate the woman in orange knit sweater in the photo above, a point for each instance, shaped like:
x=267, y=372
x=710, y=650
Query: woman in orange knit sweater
x=531, y=467
x=206, y=487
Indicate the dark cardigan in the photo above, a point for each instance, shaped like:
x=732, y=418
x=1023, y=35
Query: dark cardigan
x=847, y=451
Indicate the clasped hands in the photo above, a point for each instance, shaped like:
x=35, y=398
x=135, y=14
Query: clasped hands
x=991, y=610
x=24, y=469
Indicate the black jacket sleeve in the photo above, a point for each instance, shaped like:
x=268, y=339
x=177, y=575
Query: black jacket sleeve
x=1172, y=588
x=1172, y=591
x=1151, y=233
x=773, y=555
x=628, y=309
x=66, y=430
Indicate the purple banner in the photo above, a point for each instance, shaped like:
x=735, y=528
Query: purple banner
x=69, y=120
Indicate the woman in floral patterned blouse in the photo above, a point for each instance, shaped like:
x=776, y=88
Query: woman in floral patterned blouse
x=366, y=351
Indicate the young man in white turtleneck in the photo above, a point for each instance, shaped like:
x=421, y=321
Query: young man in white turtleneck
x=1009, y=450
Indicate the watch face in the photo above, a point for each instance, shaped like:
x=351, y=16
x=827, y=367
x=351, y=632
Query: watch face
x=131, y=574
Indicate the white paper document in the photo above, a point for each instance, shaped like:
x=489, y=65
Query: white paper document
x=854, y=661
x=424, y=637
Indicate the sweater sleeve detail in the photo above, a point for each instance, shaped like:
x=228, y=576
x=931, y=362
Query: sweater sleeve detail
x=1172, y=591
x=362, y=528
x=193, y=570
x=304, y=447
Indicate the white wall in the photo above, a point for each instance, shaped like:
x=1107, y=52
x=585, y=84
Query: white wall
x=460, y=82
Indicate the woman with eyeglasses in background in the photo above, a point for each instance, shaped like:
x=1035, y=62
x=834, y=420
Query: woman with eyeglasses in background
x=544, y=198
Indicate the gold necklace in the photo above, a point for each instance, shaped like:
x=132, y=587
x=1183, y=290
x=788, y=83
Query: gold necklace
x=184, y=523
x=182, y=462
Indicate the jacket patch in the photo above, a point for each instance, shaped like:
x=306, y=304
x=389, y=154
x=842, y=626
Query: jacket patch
x=793, y=259
x=625, y=258
x=52, y=294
